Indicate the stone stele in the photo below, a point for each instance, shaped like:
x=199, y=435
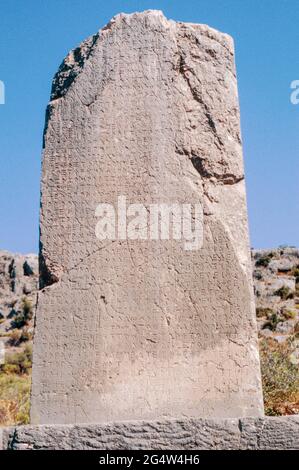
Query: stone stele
x=134, y=329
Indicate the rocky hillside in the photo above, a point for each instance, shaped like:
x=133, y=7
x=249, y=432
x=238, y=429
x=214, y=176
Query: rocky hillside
x=18, y=294
x=276, y=284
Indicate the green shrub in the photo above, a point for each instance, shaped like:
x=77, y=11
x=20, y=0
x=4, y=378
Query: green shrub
x=284, y=293
x=257, y=275
x=263, y=261
x=273, y=320
x=22, y=318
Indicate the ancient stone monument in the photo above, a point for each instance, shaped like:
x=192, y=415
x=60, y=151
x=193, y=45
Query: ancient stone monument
x=144, y=112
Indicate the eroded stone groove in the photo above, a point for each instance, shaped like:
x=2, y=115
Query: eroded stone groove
x=199, y=165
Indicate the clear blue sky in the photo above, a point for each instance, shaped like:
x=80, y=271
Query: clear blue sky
x=35, y=35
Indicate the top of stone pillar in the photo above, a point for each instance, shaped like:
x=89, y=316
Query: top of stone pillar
x=74, y=61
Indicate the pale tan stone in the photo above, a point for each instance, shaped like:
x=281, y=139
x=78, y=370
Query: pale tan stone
x=130, y=329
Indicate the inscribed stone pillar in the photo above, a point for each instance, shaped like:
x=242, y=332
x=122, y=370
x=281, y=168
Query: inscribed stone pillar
x=131, y=327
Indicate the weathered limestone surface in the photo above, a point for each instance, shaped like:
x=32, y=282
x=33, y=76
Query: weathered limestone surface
x=137, y=329
x=201, y=434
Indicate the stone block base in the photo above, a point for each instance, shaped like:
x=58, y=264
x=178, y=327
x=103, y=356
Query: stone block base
x=198, y=434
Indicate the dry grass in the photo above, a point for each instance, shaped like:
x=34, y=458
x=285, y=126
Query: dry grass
x=280, y=378
x=15, y=383
x=14, y=399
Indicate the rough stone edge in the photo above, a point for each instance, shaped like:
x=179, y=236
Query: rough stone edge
x=267, y=433
x=74, y=62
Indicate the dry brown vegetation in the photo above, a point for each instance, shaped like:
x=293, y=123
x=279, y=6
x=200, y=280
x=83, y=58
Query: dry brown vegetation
x=280, y=377
x=15, y=381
